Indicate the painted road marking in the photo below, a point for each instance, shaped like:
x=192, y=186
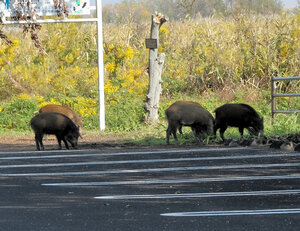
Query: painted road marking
x=233, y=213
x=201, y=195
x=176, y=181
x=126, y=171
x=149, y=161
x=156, y=152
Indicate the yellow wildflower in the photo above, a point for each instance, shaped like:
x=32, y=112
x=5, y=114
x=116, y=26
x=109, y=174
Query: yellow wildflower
x=16, y=42
x=69, y=58
x=42, y=104
x=24, y=96
x=111, y=47
x=110, y=67
x=164, y=31
x=60, y=48
x=54, y=101
x=129, y=52
x=40, y=99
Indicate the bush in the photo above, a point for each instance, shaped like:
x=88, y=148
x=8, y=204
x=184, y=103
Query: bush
x=16, y=114
x=212, y=60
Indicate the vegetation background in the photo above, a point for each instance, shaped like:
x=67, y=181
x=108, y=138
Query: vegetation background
x=216, y=52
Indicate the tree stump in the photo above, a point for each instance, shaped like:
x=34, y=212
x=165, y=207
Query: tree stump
x=156, y=62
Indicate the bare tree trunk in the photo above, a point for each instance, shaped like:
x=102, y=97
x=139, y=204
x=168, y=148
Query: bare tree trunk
x=156, y=62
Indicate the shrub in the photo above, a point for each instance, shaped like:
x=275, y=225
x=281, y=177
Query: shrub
x=16, y=114
x=212, y=60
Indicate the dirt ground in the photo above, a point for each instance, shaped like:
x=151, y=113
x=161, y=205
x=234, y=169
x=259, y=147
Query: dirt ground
x=27, y=143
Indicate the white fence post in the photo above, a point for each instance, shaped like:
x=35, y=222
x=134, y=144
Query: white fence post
x=100, y=65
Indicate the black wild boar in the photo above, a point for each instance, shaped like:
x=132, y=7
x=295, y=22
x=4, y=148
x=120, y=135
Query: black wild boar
x=56, y=124
x=241, y=116
x=188, y=113
x=65, y=110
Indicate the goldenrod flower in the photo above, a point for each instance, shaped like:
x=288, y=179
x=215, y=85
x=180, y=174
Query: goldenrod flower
x=110, y=67
x=69, y=58
x=24, y=96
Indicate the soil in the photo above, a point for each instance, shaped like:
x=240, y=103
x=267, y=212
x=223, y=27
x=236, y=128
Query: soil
x=27, y=143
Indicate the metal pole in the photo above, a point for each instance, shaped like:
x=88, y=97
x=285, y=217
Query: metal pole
x=273, y=86
x=40, y=21
x=100, y=65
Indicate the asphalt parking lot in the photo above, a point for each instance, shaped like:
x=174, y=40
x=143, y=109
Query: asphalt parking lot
x=169, y=189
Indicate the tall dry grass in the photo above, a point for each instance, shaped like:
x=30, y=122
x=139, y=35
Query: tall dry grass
x=220, y=56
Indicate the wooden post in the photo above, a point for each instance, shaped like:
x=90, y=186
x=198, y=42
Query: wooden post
x=156, y=62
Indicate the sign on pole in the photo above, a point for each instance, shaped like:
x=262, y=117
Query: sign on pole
x=43, y=7
x=151, y=43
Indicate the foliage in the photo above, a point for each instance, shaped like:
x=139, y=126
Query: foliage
x=16, y=114
x=211, y=60
x=215, y=53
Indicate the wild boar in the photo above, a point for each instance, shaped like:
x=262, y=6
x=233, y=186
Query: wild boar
x=241, y=116
x=56, y=124
x=65, y=110
x=188, y=113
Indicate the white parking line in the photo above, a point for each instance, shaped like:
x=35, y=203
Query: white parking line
x=80, y=155
x=201, y=195
x=176, y=181
x=175, y=169
x=233, y=213
x=148, y=161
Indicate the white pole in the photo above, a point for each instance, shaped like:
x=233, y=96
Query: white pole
x=100, y=65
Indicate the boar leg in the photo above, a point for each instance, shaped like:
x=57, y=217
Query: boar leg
x=168, y=132
x=174, y=135
x=59, y=142
x=251, y=131
x=180, y=129
x=197, y=132
x=222, y=131
x=261, y=132
x=200, y=137
x=65, y=142
x=59, y=139
x=172, y=128
x=39, y=141
x=194, y=130
x=241, y=130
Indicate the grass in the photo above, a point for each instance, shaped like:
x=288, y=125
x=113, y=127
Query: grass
x=143, y=134
x=232, y=63
x=155, y=135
